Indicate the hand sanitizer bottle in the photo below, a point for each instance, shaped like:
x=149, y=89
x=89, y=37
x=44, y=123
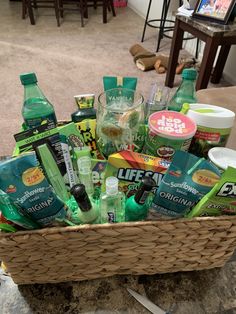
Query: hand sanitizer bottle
x=112, y=203
x=88, y=211
x=136, y=207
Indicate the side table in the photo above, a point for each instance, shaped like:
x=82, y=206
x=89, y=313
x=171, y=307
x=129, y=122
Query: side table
x=214, y=35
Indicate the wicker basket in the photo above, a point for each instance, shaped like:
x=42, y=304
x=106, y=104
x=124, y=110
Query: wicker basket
x=93, y=251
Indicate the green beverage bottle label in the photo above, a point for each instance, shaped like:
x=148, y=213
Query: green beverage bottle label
x=37, y=121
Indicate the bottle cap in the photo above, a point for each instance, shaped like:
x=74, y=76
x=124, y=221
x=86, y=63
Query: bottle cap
x=81, y=197
x=111, y=185
x=189, y=74
x=147, y=184
x=28, y=78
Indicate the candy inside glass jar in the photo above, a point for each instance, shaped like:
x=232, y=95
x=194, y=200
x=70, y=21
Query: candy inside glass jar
x=120, y=121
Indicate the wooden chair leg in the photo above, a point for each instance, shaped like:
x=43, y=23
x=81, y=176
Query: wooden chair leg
x=30, y=11
x=81, y=4
x=57, y=11
x=35, y=4
x=24, y=9
x=85, y=9
x=104, y=11
x=112, y=8
x=95, y=4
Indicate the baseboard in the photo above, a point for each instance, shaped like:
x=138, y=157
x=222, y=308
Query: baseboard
x=136, y=11
x=229, y=78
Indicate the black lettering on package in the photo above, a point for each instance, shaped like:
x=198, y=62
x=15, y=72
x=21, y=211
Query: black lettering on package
x=228, y=189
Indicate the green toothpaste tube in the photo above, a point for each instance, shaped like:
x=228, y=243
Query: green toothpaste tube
x=52, y=172
x=221, y=200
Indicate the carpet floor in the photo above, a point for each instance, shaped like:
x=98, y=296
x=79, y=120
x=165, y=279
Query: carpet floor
x=68, y=60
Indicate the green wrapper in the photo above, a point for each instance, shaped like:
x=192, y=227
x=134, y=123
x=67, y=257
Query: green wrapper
x=221, y=200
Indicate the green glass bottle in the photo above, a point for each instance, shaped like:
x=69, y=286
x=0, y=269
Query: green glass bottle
x=36, y=108
x=186, y=92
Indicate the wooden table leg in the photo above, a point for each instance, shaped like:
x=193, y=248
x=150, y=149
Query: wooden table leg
x=208, y=59
x=174, y=53
x=220, y=64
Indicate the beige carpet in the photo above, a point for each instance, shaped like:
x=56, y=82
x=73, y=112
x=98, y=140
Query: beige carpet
x=68, y=60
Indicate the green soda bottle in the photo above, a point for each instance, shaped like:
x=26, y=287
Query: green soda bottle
x=186, y=92
x=36, y=110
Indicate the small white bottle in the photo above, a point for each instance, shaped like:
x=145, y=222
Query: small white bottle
x=112, y=203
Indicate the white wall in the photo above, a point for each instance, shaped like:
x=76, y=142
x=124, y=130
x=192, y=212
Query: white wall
x=140, y=7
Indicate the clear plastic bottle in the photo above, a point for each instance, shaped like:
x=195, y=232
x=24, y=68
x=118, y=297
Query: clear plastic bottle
x=186, y=93
x=36, y=108
x=112, y=203
x=85, y=173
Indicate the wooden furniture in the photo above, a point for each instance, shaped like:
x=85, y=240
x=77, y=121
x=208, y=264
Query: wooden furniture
x=30, y=5
x=107, y=5
x=72, y=5
x=214, y=35
x=59, y=7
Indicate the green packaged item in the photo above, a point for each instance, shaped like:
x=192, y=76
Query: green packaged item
x=28, y=189
x=86, y=109
x=111, y=82
x=221, y=200
x=187, y=180
x=47, y=133
x=7, y=228
x=73, y=134
x=11, y=213
x=52, y=172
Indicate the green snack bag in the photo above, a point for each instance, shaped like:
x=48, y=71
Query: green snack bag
x=221, y=200
x=186, y=181
x=28, y=189
x=11, y=213
x=111, y=82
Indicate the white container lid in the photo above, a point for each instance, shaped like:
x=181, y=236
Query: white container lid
x=211, y=116
x=222, y=157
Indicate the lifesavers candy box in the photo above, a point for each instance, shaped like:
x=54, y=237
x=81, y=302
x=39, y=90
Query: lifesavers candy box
x=129, y=167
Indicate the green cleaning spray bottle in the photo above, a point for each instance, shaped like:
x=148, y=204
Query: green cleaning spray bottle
x=136, y=206
x=112, y=203
x=36, y=108
x=88, y=211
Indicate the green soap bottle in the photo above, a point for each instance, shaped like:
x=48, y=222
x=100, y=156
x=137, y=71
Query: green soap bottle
x=186, y=93
x=86, y=109
x=112, y=203
x=136, y=206
x=87, y=211
x=36, y=108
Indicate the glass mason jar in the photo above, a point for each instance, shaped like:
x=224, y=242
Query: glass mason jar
x=120, y=121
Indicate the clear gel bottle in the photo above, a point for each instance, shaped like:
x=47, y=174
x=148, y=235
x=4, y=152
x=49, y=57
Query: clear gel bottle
x=88, y=211
x=136, y=206
x=85, y=173
x=112, y=203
